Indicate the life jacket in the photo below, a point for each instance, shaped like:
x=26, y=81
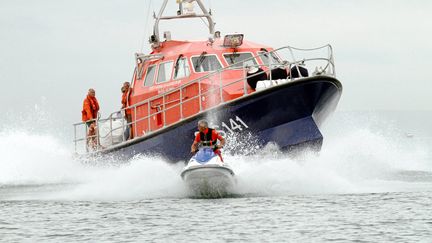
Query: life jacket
x=90, y=108
x=206, y=138
x=126, y=100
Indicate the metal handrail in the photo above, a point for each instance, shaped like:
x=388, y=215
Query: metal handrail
x=221, y=70
x=212, y=88
x=205, y=14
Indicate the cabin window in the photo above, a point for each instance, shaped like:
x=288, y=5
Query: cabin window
x=237, y=59
x=164, y=73
x=181, y=68
x=206, y=63
x=148, y=81
x=267, y=57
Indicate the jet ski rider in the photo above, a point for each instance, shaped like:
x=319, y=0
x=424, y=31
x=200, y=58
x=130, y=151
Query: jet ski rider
x=207, y=137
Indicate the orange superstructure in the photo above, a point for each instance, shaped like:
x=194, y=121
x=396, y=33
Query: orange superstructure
x=180, y=62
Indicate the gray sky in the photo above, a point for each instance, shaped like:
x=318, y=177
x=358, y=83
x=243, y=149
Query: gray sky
x=52, y=51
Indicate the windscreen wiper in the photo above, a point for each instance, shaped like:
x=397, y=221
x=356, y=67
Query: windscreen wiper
x=200, y=60
x=265, y=52
x=176, y=68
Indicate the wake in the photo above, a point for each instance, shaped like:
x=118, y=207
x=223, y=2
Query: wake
x=354, y=159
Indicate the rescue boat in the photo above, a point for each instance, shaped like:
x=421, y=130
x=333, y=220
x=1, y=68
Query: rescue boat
x=250, y=92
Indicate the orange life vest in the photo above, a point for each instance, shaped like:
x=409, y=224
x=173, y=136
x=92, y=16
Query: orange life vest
x=90, y=108
x=126, y=100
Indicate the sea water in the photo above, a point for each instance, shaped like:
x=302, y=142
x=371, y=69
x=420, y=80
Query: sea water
x=371, y=182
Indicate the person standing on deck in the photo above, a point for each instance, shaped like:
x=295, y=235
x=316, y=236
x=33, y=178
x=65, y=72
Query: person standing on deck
x=127, y=91
x=89, y=116
x=90, y=108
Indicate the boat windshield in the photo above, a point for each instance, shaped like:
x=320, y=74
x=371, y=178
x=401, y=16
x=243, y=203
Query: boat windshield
x=206, y=63
x=181, y=69
x=239, y=58
x=148, y=81
x=164, y=73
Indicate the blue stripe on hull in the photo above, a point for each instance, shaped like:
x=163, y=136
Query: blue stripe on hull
x=288, y=115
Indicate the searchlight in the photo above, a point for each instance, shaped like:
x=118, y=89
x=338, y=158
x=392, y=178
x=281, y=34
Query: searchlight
x=233, y=40
x=186, y=7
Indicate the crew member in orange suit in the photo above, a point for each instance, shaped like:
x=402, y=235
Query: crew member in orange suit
x=89, y=116
x=90, y=108
x=127, y=90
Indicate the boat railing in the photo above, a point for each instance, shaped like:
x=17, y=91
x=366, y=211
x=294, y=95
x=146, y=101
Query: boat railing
x=284, y=57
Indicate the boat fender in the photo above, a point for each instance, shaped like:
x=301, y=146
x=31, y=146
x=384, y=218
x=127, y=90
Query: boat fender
x=264, y=84
x=295, y=72
x=279, y=73
x=254, y=75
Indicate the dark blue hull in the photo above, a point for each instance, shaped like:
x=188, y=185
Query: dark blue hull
x=288, y=115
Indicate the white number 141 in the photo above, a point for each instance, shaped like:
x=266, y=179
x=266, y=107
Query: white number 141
x=234, y=125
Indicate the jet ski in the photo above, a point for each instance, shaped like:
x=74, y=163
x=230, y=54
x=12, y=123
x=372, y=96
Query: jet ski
x=207, y=175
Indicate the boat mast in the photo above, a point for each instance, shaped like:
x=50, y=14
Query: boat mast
x=155, y=39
